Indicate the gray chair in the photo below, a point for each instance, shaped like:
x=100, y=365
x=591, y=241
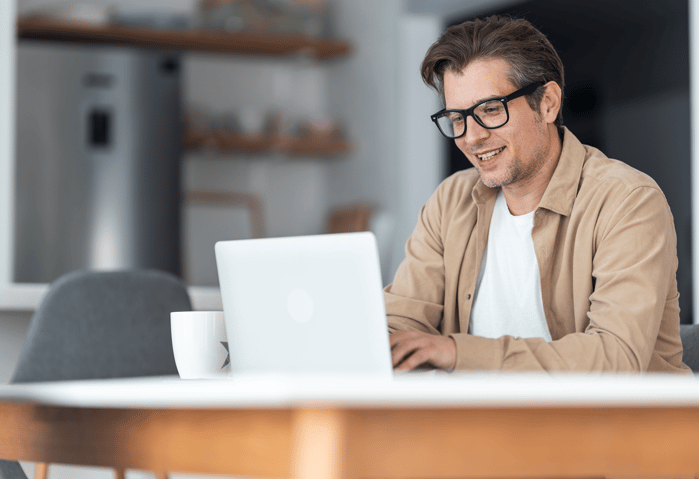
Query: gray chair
x=96, y=325
x=11, y=470
x=689, y=333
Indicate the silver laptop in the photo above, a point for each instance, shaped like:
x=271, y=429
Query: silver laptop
x=304, y=305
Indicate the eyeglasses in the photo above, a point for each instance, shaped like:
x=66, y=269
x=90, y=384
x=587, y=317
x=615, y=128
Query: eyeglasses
x=489, y=114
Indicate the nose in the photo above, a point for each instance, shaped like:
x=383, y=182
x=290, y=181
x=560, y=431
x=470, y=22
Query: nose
x=475, y=133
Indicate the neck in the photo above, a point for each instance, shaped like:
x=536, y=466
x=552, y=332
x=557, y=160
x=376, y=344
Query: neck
x=524, y=197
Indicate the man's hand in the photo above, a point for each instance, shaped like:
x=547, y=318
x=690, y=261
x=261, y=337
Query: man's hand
x=411, y=349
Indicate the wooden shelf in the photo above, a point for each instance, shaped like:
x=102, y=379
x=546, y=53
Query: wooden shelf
x=260, y=144
x=31, y=28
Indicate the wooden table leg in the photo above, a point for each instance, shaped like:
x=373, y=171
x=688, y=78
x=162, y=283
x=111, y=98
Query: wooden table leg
x=41, y=470
x=121, y=474
x=317, y=447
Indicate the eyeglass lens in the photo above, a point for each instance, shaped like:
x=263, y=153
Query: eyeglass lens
x=490, y=114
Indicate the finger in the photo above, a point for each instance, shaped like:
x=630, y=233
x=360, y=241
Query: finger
x=401, y=336
x=403, y=349
x=409, y=356
x=419, y=357
x=399, y=354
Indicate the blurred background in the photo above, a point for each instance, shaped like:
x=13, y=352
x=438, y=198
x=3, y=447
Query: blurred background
x=146, y=155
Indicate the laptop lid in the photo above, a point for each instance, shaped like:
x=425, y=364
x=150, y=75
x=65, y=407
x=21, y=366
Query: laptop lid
x=306, y=305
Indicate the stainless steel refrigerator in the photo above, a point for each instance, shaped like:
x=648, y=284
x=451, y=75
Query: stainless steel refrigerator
x=98, y=160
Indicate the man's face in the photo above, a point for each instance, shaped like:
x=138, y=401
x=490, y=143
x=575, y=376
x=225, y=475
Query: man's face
x=512, y=155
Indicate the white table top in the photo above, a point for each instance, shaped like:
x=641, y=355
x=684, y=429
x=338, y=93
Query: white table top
x=412, y=390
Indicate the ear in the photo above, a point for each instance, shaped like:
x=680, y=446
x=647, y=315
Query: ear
x=550, y=102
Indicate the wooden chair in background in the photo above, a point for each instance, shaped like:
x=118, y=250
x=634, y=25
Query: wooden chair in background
x=350, y=219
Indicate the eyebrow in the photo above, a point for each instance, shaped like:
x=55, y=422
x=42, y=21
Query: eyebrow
x=477, y=102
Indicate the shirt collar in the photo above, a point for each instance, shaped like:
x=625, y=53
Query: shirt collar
x=560, y=193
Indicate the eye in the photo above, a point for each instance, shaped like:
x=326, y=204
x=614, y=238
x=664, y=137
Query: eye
x=491, y=108
x=455, y=117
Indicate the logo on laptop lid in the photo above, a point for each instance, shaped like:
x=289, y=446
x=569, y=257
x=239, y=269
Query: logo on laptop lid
x=300, y=306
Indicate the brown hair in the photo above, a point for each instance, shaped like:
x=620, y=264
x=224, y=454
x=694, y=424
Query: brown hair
x=528, y=52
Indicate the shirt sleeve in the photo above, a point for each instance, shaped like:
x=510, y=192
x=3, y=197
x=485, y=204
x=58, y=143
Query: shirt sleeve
x=633, y=270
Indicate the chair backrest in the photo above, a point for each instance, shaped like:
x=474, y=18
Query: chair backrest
x=689, y=334
x=11, y=470
x=350, y=219
x=103, y=325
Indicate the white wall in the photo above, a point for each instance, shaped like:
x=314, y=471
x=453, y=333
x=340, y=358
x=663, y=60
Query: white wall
x=7, y=130
x=13, y=325
x=362, y=91
x=379, y=91
x=293, y=190
x=420, y=166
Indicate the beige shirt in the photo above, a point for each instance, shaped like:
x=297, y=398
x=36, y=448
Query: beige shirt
x=605, y=244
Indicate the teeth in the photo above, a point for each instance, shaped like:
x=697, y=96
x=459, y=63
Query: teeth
x=488, y=156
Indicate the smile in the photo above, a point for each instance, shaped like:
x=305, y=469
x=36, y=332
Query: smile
x=489, y=155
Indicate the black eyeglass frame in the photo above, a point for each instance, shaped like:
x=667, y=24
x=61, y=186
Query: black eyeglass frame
x=527, y=90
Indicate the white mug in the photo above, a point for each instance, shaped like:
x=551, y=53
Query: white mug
x=200, y=344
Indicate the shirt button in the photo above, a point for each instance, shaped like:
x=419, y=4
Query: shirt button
x=468, y=296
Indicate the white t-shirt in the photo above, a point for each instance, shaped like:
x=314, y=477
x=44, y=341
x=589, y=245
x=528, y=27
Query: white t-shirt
x=507, y=300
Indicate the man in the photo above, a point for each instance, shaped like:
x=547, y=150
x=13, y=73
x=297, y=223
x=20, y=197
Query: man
x=547, y=255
